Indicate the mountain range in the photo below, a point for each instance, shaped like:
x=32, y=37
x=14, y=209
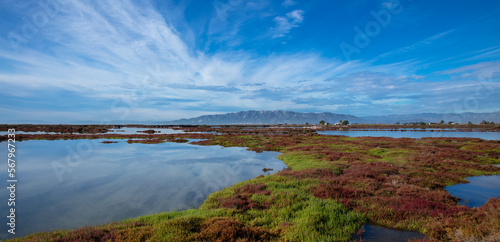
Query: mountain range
x=289, y=117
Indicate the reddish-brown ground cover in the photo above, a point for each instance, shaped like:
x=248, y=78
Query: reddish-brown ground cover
x=397, y=183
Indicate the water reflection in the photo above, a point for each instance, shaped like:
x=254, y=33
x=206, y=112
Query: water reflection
x=101, y=183
x=415, y=134
x=126, y=130
x=478, y=191
x=22, y=132
x=373, y=233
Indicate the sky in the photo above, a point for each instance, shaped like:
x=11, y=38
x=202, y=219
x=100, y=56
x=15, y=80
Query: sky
x=66, y=61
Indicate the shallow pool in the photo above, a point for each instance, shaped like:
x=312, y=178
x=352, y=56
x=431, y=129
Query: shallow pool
x=478, y=191
x=415, y=134
x=66, y=184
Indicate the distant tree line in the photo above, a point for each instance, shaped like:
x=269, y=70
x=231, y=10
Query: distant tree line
x=484, y=122
x=322, y=122
x=346, y=122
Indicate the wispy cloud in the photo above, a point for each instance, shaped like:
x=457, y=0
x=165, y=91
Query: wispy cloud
x=483, y=70
x=492, y=53
x=417, y=45
x=229, y=18
x=285, y=24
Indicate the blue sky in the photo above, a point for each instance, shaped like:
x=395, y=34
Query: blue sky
x=71, y=61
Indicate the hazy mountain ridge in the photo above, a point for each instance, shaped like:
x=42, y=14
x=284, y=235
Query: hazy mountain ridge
x=267, y=117
x=289, y=117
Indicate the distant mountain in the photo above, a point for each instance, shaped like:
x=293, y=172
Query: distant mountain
x=268, y=117
x=289, y=117
x=462, y=118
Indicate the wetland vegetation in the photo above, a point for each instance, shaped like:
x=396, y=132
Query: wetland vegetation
x=333, y=185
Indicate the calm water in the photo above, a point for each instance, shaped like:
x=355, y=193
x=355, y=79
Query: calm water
x=375, y=233
x=124, y=130
x=416, y=134
x=22, y=132
x=73, y=183
x=478, y=191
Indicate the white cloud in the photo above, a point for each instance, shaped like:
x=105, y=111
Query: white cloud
x=393, y=101
x=297, y=16
x=480, y=71
x=285, y=24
